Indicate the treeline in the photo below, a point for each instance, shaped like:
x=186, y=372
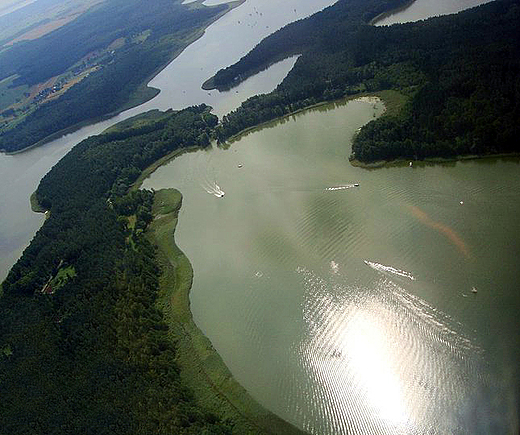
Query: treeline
x=120, y=74
x=461, y=73
x=470, y=100
x=101, y=93
x=321, y=31
x=89, y=353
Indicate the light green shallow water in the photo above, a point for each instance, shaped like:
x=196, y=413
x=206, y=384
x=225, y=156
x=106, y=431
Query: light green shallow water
x=350, y=309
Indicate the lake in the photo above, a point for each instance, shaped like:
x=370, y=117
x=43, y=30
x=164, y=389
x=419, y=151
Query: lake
x=423, y=9
x=223, y=43
x=340, y=308
x=388, y=307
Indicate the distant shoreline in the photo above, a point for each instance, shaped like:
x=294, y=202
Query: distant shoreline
x=383, y=15
x=144, y=93
x=428, y=161
x=392, y=102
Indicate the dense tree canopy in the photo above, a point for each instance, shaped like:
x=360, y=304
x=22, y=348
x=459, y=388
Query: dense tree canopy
x=83, y=349
x=461, y=73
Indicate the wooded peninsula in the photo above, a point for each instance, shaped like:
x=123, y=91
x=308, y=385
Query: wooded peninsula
x=460, y=74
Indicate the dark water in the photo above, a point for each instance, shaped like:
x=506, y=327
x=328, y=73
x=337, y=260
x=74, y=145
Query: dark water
x=352, y=309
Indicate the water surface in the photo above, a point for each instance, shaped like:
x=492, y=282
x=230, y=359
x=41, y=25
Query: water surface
x=349, y=309
x=223, y=43
x=423, y=9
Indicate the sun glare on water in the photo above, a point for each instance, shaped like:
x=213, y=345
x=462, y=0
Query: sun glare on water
x=380, y=357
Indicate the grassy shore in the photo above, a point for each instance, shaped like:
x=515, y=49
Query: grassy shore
x=202, y=369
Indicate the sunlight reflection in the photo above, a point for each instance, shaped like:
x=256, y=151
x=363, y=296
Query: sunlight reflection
x=386, y=354
x=366, y=342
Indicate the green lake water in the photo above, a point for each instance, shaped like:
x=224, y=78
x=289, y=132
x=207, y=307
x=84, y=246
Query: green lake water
x=340, y=308
x=349, y=309
x=223, y=43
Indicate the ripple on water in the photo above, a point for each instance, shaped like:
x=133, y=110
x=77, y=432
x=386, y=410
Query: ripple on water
x=381, y=360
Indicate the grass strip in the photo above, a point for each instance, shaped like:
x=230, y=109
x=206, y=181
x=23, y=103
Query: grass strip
x=202, y=368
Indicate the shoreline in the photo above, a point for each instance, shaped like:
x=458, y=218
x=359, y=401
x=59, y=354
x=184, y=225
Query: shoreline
x=201, y=366
x=35, y=205
x=393, y=101
x=384, y=96
x=158, y=163
x=80, y=125
x=143, y=92
x=382, y=15
x=209, y=84
x=429, y=161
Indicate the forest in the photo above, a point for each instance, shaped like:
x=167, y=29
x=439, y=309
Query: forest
x=460, y=72
x=83, y=348
x=153, y=35
x=320, y=31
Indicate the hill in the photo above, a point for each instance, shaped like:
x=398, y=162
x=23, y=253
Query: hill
x=92, y=67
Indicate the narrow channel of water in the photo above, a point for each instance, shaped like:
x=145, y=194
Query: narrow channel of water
x=352, y=309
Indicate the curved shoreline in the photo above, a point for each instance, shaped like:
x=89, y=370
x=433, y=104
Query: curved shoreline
x=383, y=15
x=393, y=102
x=201, y=366
x=210, y=85
x=386, y=97
x=152, y=92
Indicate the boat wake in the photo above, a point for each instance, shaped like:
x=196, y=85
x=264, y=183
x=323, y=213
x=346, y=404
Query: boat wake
x=212, y=188
x=344, y=187
x=385, y=360
x=207, y=176
x=389, y=269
